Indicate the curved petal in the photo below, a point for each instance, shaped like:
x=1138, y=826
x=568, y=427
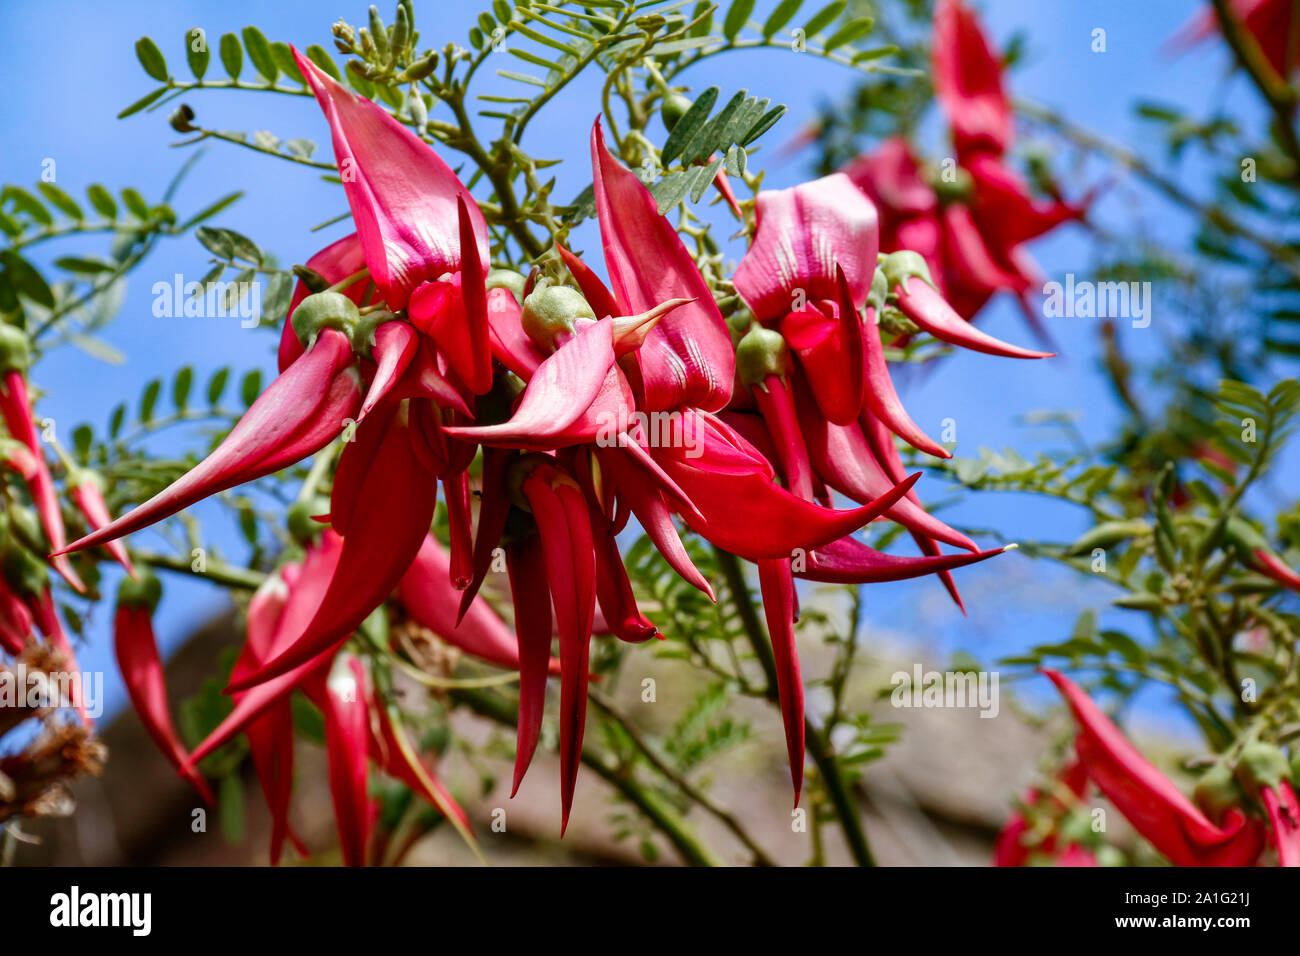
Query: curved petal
x=402, y=195
x=803, y=233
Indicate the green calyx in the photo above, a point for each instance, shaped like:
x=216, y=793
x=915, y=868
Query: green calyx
x=905, y=264
x=675, y=107
x=761, y=352
x=1217, y=791
x=552, y=311
x=143, y=591
x=14, y=352
x=508, y=279
x=301, y=521
x=363, y=333
x=879, y=293
x=325, y=310
x=1261, y=765
x=957, y=187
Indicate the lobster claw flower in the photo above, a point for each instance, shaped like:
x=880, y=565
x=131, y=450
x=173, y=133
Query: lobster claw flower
x=740, y=507
x=16, y=410
x=341, y=693
x=968, y=80
x=1148, y=799
x=849, y=561
x=270, y=735
x=1011, y=848
x=334, y=263
x=404, y=199
x=388, y=508
x=299, y=413
x=142, y=672
x=562, y=514
x=687, y=358
x=88, y=496
x=803, y=233
x=777, y=585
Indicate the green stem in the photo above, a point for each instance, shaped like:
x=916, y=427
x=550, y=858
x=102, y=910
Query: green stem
x=818, y=744
x=655, y=808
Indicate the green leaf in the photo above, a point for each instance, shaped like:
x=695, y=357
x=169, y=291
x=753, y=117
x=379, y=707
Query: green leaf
x=318, y=55
x=197, y=52
x=82, y=266
x=259, y=52
x=209, y=211
x=783, y=14
x=151, y=59
x=251, y=387
x=97, y=348
x=232, y=55
x=768, y=120
x=136, y=204
x=689, y=124
x=26, y=202
x=142, y=102
x=230, y=807
x=61, y=200
x=150, y=399
x=217, y=385
x=703, y=177
x=285, y=61
x=824, y=18
x=736, y=18
x=116, y=419
x=27, y=279
x=181, y=387
x=851, y=31
x=102, y=200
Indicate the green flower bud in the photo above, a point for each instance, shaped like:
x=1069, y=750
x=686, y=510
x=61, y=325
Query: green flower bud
x=14, y=353
x=1261, y=765
x=1217, y=791
x=761, y=352
x=903, y=265
x=144, y=591
x=957, y=189
x=879, y=293
x=301, y=522
x=675, y=107
x=325, y=310
x=508, y=279
x=552, y=310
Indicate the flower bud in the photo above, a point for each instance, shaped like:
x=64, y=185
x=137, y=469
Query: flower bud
x=324, y=310
x=507, y=279
x=900, y=266
x=879, y=293
x=1217, y=791
x=301, y=520
x=1261, y=765
x=551, y=311
x=14, y=353
x=761, y=352
x=146, y=591
x=674, y=108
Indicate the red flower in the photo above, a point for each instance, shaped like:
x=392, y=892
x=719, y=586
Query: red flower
x=1148, y=799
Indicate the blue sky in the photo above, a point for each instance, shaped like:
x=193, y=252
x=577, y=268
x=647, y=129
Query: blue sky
x=74, y=69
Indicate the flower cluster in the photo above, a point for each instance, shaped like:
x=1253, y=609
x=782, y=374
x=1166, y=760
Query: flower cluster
x=971, y=217
x=403, y=336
